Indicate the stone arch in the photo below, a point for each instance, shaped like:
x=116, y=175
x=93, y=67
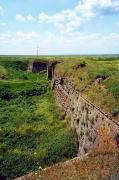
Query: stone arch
x=37, y=66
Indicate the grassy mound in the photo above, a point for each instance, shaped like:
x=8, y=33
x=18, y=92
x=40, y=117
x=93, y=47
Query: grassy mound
x=95, y=77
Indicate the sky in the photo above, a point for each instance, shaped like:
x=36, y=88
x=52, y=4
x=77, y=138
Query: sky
x=59, y=27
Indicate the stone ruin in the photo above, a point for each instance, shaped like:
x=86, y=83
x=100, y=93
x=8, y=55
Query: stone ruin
x=38, y=66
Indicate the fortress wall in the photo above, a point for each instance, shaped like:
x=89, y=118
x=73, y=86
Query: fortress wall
x=92, y=126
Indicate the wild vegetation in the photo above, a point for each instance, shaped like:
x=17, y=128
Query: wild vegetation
x=95, y=77
x=32, y=133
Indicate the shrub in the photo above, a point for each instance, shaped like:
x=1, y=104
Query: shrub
x=3, y=72
x=6, y=95
x=115, y=112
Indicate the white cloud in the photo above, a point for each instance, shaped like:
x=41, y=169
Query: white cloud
x=27, y=36
x=89, y=8
x=49, y=43
x=113, y=4
x=56, y=18
x=1, y=11
x=30, y=18
x=66, y=20
x=85, y=8
x=5, y=38
x=115, y=36
x=21, y=18
x=80, y=43
x=97, y=6
x=73, y=25
x=71, y=19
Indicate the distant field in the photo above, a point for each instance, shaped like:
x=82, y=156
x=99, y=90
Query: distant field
x=32, y=133
x=27, y=58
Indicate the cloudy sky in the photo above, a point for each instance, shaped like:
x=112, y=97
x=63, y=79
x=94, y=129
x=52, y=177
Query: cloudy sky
x=59, y=26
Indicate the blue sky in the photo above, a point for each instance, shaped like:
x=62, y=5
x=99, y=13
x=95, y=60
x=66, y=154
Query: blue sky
x=59, y=27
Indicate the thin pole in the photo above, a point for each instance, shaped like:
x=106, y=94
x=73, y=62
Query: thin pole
x=37, y=51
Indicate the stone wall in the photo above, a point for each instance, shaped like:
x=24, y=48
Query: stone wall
x=50, y=70
x=38, y=66
x=92, y=126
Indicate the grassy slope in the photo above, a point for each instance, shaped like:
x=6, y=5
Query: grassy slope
x=97, y=165
x=104, y=94
x=31, y=134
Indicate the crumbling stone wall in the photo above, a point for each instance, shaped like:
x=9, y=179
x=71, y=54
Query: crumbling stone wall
x=50, y=70
x=93, y=127
x=36, y=66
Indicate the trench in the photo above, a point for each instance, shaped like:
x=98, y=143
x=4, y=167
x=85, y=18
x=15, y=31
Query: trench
x=31, y=132
x=93, y=128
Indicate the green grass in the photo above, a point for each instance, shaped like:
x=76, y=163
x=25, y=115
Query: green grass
x=23, y=58
x=104, y=94
x=31, y=135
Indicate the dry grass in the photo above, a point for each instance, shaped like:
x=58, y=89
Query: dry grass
x=101, y=164
x=96, y=78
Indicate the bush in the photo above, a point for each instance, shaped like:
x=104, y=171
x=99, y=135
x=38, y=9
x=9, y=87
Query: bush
x=6, y=95
x=3, y=72
x=115, y=112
